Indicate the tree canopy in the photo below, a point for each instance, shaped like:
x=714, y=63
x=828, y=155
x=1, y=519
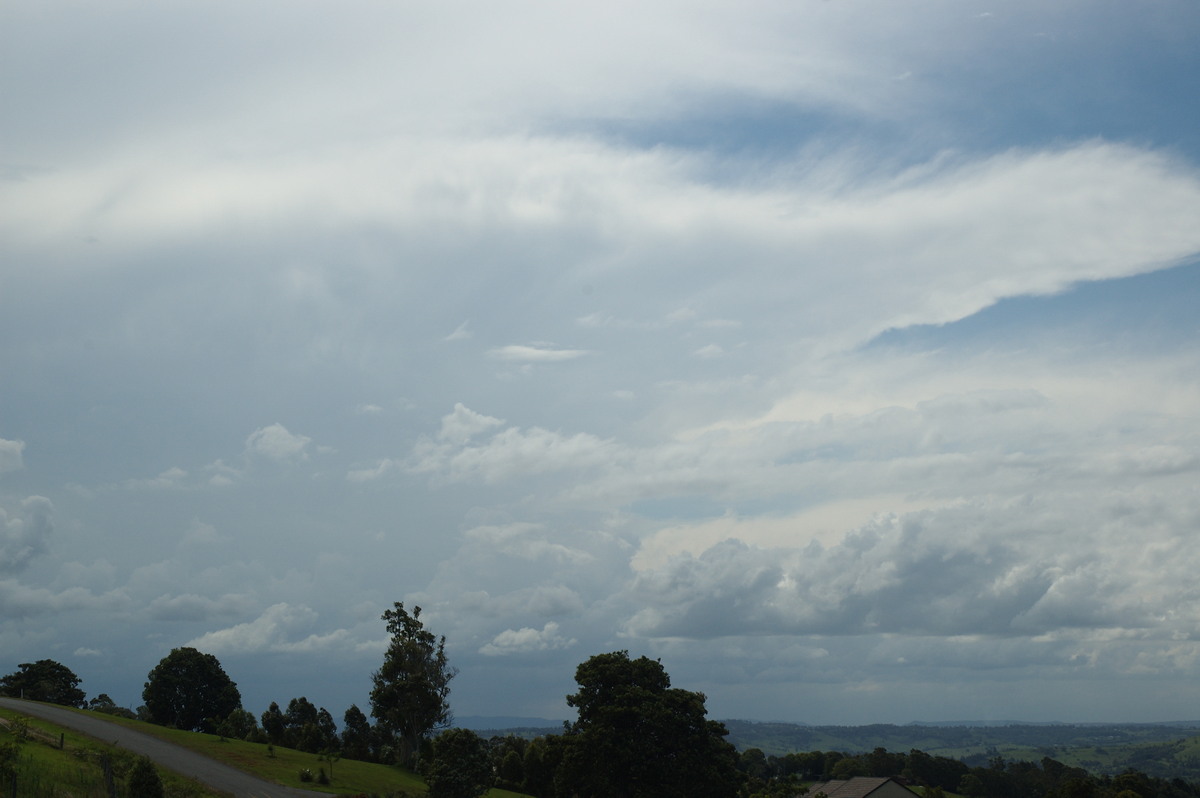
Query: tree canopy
x=458, y=766
x=410, y=691
x=44, y=680
x=190, y=690
x=637, y=737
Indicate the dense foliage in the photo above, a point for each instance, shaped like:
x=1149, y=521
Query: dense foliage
x=190, y=690
x=936, y=776
x=458, y=765
x=637, y=737
x=44, y=680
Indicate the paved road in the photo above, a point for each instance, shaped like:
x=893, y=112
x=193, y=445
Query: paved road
x=168, y=755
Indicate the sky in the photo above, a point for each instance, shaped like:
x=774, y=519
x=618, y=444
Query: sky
x=841, y=354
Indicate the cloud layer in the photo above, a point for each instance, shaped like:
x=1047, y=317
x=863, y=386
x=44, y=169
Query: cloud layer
x=842, y=358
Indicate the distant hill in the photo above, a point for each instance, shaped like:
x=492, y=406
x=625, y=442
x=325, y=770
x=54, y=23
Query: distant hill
x=504, y=724
x=1167, y=750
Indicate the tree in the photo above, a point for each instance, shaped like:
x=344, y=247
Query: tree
x=274, y=725
x=190, y=690
x=408, y=699
x=144, y=781
x=356, y=734
x=636, y=737
x=44, y=680
x=459, y=765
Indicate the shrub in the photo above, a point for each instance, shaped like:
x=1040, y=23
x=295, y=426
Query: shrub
x=144, y=781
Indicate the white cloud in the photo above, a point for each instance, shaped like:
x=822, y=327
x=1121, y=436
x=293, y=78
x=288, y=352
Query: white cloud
x=10, y=455
x=461, y=333
x=462, y=424
x=275, y=630
x=373, y=473
x=526, y=640
x=276, y=443
x=510, y=453
x=535, y=354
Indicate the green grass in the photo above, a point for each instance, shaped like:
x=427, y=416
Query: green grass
x=277, y=764
x=44, y=770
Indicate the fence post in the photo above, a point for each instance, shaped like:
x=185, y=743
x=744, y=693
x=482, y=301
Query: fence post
x=108, y=777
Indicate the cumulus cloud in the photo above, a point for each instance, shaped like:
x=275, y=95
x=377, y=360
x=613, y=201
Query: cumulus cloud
x=526, y=640
x=274, y=442
x=462, y=424
x=509, y=453
x=10, y=455
x=998, y=569
x=25, y=534
x=278, y=629
x=192, y=607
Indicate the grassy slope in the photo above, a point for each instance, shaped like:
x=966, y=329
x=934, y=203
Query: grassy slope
x=284, y=766
x=45, y=769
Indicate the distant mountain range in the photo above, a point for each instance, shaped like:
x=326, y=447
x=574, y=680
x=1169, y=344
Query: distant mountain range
x=491, y=723
x=1169, y=749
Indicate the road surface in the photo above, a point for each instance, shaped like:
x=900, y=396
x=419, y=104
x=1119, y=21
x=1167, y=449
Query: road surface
x=168, y=755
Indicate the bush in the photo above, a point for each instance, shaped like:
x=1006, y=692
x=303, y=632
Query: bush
x=144, y=781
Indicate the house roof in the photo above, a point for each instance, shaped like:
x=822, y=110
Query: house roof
x=857, y=787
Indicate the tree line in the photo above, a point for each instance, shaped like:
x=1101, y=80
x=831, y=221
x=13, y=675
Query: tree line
x=635, y=736
x=936, y=776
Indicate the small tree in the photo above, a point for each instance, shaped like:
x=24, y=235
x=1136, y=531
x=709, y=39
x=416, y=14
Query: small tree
x=274, y=725
x=459, y=765
x=190, y=690
x=44, y=680
x=356, y=734
x=409, y=697
x=144, y=781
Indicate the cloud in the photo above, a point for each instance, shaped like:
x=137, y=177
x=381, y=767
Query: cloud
x=276, y=443
x=171, y=478
x=461, y=333
x=373, y=473
x=527, y=640
x=25, y=535
x=10, y=455
x=19, y=601
x=462, y=424
x=192, y=607
x=535, y=354
x=510, y=453
x=275, y=630
x=984, y=568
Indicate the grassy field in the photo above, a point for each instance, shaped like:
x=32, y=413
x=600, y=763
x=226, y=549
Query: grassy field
x=76, y=770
